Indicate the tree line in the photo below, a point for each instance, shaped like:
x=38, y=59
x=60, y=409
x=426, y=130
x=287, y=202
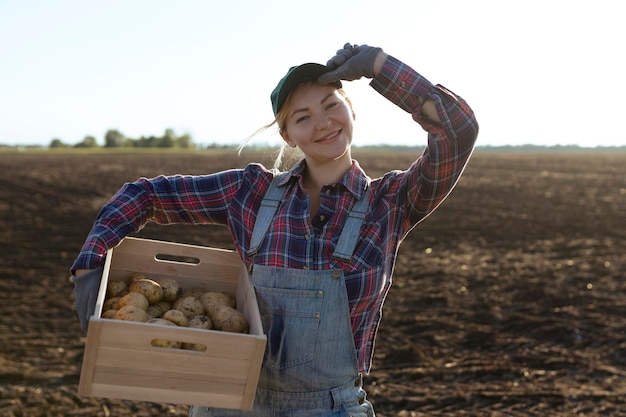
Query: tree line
x=113, y=138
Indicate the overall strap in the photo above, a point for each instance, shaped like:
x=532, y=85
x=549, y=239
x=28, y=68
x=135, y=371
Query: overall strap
x=269, y=205
x=352, y=227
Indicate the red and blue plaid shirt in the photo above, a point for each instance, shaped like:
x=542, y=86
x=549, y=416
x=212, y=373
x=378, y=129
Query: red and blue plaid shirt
x=398, y=201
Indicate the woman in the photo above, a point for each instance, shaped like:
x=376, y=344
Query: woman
x=321, y=239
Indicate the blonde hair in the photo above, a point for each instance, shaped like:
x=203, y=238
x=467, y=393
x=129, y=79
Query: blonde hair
x=281, y=120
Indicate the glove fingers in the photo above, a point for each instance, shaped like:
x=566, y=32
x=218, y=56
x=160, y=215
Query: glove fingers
x=80, y=307
x=351, y=63
x=86, y=289
x=341, y=56
x=328, y=78
x=339, y=59
x=334, y=62
x=341, y=73
x=91, y=308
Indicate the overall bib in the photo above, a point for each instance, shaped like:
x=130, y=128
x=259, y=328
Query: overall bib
x=310, y=366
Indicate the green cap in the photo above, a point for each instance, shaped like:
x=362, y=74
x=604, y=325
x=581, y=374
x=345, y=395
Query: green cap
x=294, y=77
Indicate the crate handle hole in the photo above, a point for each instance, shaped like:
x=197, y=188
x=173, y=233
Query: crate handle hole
x=171, y=344
x=179, y=259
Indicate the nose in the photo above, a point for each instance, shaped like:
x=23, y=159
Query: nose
x=322, y=122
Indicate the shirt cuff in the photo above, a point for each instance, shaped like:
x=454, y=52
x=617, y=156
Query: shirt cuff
x=88, y=258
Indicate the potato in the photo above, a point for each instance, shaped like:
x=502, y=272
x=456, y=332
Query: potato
x=198, y=347
x=109, y=314
x=111, y=304
x=211, y=299
x=228, y=319
x=149, y=288
x=200, y=322
x=135, y=299
x=193, y=292
x=154, y=311
x=190, y=306
x=171, y=289
x=131, y=313
x=163, y=342
x=164, y=306
x=135, y=276
x=161, y=321
x=177, y=317
x=115, y=288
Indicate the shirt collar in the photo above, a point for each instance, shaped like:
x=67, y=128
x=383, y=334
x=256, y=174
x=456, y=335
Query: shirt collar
x=355, y=180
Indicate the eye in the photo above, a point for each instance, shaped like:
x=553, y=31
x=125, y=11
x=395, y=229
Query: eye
x=302, y=119
x=332, y=105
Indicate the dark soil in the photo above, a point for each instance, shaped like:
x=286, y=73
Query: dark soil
x=510, y=300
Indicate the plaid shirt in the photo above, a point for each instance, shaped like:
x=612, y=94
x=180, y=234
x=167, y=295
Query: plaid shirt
x=398, y=201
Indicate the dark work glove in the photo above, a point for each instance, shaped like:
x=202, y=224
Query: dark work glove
x=351, y=63
x=86, y=289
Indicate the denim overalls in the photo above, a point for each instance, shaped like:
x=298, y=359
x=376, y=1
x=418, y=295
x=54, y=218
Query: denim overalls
x=310, y=365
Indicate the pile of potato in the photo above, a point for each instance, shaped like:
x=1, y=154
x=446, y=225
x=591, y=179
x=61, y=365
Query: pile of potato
x=163, y=301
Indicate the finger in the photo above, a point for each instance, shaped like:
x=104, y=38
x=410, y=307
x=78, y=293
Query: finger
x=329, y=77
x=334, y=62
x=82, y=319
x=91, y=307
x=342, y=56
x=359, y=48
x=341, y=73
x=89, y=311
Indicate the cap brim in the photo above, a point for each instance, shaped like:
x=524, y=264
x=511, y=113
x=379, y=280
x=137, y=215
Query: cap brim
x=296, y=76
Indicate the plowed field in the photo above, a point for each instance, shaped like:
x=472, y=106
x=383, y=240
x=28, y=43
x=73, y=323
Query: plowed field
x=510, y=300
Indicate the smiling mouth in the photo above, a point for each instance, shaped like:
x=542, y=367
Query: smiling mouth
x=329, y=137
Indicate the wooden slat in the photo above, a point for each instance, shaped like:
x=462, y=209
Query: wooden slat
x=139, y=255
x=200, y=377
x=133, y=335
x=169, y=361
x=253, y=375
x=206, y=398
x=89, y=359
x=174, y=382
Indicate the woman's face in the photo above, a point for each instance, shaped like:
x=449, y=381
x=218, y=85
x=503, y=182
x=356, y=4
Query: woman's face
x=319, y=121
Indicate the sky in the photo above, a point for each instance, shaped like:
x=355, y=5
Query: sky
x=542, y=72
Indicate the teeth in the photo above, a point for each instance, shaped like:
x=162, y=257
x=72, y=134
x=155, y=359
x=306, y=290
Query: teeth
x=329, y=137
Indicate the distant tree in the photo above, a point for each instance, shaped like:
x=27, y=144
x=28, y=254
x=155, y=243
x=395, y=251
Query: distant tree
x=114, y=139
x=185, y=141
x=57, y=143
x=168, y=140
x=88, y=142
x=144, y=142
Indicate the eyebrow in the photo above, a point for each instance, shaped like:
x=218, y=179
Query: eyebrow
x=306, y=108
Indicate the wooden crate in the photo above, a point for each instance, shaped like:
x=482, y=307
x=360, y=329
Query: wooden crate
x=120, y=361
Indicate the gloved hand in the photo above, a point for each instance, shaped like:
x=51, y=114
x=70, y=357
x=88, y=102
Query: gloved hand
x=86, y=288
x=351, y=63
